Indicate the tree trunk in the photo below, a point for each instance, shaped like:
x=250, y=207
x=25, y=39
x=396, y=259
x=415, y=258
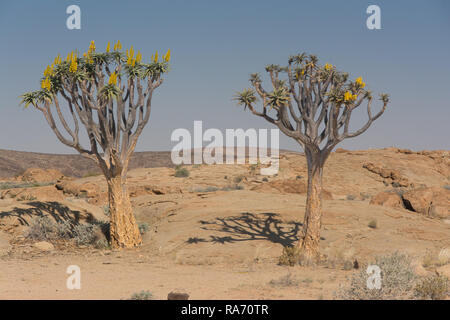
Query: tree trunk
x=309, y=244
x=124, y=231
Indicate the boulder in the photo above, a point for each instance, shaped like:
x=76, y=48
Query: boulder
x=387, y=199
x=88, y=190
x=40, y=175
x=177, y=296
x=432, y=201
x=44, y=246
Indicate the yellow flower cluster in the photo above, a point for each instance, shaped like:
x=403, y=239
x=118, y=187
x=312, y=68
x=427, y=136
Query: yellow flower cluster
x=57, y=60
x=118, y=46
x=72, y=59
x=45, y=84
x=166, y=57
x=48, y=71
x=113, y=78
x=360, y=83
x=131, y=60
x=108, y=47
x=91, y=47
x=328, y=66
x=348, y=96
x=155, y=57
x=88, y=55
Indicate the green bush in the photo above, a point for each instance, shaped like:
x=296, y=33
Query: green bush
x=143, y=227
x=143, y=295
x=181, y=173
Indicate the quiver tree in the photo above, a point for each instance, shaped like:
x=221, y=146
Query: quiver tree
x=313, y=105
x=109, y=94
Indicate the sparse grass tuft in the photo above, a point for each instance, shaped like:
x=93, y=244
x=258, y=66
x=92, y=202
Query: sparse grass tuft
x=365, y=196
x=15, y=185
x=206, y=189
x=143, y=295
x=91, y=174
x=447, y=186
x=434, y=287
x=351, y=197
x=285, y=281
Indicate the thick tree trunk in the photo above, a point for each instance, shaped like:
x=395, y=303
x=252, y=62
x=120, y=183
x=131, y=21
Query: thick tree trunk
x=309, y=244
x=124, y=231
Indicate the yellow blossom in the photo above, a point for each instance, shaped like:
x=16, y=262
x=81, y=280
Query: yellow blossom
x=360, y=82
x=348, y=96
x=48, y=71
x=108, y=47
x=113, y=78
x=118, y=45
x=138, y=57
x=92, y=46
x=167, y=56
x=328, y=66
x=57, y=60
x=73, y=64
x=155, y=59
x=45, y=84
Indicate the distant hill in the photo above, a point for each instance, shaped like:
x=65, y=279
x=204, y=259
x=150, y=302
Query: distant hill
x=13, y=163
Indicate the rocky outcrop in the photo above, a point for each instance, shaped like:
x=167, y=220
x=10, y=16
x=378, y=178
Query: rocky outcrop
x=289, y=186
x=85, y=190
x=433, y=202
x=140, y=190
x=388, y=199
x=392, y=177
x=40, y=175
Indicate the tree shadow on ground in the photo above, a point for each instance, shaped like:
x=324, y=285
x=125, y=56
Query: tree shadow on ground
x=57, y=211
x=248, y=226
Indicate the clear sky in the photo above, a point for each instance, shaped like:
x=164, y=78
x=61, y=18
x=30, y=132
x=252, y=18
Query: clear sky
x=215, y=46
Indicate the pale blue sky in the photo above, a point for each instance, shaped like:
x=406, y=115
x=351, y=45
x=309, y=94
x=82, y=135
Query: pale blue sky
x=217, y=44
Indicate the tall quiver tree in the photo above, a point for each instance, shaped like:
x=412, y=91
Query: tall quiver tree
x=110, y=94
x=313, y=105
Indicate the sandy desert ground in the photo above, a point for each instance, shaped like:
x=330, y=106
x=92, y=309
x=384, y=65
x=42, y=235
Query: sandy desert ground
x=218, y=233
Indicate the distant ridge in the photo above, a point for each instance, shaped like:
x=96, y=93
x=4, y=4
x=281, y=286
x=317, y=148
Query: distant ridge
x=13, y=163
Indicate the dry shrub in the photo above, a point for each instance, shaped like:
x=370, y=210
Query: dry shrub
x=434, y=287
x=397, y=280
x=290, y=256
